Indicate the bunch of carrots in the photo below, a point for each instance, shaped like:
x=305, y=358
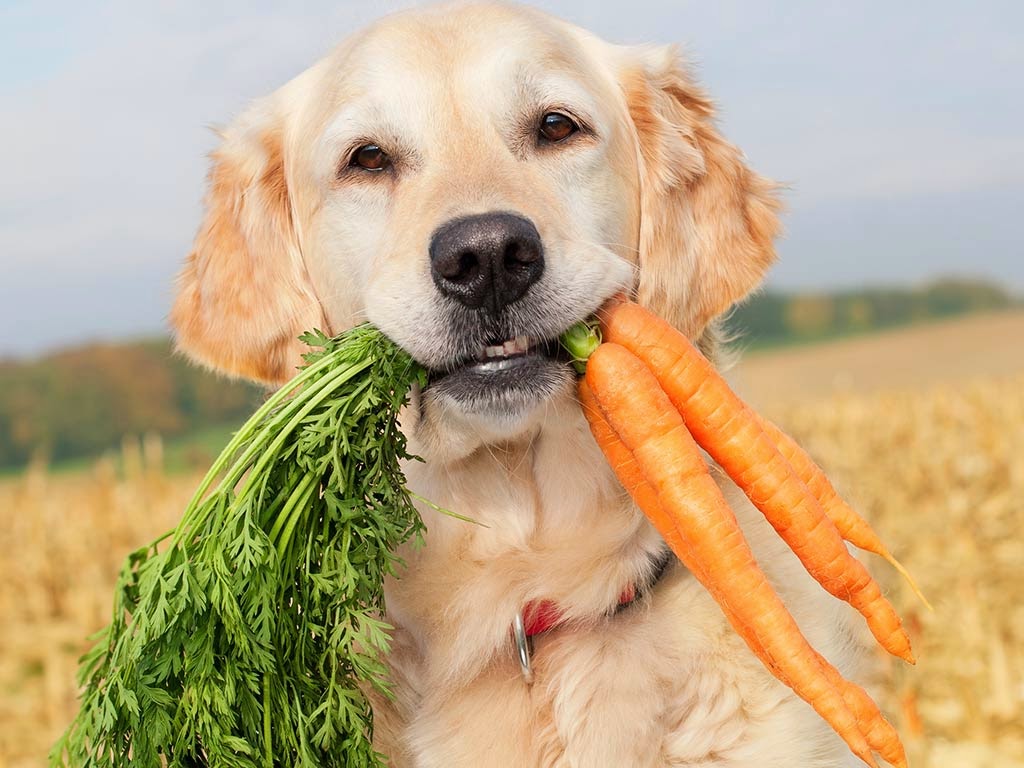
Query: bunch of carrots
x=651, y=399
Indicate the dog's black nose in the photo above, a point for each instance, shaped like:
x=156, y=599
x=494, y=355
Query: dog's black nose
x=486, y=261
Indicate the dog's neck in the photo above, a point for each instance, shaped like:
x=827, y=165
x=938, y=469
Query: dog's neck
x=551, y=522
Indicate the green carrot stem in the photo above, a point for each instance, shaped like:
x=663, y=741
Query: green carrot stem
x=580, y=341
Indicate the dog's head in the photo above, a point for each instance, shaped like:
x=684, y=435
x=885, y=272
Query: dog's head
x=473, y=180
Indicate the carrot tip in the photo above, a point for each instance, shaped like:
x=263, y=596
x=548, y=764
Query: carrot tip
x=903, y=650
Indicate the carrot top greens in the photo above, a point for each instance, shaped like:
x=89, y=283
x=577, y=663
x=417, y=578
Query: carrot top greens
x=248, y=635
x=243, y=637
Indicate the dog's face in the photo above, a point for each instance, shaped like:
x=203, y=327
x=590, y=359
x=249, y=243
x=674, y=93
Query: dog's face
x=473, y=180
x=475, y=202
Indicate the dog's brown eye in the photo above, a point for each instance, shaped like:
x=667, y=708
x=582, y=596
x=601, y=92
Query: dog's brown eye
x=370, y=157
x=555, y=127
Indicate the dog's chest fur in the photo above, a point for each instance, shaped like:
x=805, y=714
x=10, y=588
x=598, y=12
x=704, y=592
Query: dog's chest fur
x=664, y=682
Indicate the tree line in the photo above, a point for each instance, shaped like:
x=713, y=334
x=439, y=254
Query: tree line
x=82, y=401
x=776, y=318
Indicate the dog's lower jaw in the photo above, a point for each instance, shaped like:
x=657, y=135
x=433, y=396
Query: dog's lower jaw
x=443, y=431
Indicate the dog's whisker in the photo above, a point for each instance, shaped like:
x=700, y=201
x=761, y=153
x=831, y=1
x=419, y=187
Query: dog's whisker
x=610, y=244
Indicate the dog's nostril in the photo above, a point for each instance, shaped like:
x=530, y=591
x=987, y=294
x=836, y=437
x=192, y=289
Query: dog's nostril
x=467, y=268
x=467, y=261
x=512, y=259
x=516, y=255
x=461, y=267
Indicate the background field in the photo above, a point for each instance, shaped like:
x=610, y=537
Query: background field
x=923, y=427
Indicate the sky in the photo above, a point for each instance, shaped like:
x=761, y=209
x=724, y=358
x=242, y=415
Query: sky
x=898, y=129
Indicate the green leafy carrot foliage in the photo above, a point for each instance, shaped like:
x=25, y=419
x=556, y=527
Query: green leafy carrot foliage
x=248, y=635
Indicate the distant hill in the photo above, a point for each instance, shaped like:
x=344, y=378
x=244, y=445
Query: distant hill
x=80, y=402
x=775, y=318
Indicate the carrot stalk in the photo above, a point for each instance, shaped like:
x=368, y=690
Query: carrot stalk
x=690, y=512
x=731, y=433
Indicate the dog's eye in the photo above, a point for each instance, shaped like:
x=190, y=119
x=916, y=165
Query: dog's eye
x=370, y=157
x=555, y=127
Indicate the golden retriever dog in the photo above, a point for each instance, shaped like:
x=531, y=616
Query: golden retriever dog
x=474, y=179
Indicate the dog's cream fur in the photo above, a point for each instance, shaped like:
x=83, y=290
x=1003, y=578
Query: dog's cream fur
x=650, y=198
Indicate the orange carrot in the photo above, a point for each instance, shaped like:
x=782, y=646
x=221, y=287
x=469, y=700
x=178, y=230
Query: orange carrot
x=879, y=734
x=730, y=432
x=708, y=536
x=878, y=731
x=851, y=526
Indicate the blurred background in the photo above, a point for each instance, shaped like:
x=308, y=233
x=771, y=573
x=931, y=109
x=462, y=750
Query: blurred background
x=888, y=338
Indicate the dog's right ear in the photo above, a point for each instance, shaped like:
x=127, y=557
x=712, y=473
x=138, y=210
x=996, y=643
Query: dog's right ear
x=708, y=222
x=244, y=295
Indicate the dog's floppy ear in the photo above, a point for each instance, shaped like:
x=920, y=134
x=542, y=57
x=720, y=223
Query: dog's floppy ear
x=244, y=294
x=707, y=221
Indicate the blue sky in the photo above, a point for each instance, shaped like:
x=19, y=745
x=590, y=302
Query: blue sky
x=899, y=128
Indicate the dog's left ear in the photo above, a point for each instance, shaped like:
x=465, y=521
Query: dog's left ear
x=707, y=221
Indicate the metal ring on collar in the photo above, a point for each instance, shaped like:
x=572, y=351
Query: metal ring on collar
x=524, y=647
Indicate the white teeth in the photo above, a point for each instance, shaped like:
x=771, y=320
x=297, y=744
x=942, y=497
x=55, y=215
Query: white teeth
x=520, y=345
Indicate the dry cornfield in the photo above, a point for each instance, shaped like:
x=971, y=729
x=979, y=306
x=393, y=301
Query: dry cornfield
x=939, y=469
x=941, y=474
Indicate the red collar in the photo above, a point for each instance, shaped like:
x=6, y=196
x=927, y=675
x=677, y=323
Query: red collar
x=541, y=615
